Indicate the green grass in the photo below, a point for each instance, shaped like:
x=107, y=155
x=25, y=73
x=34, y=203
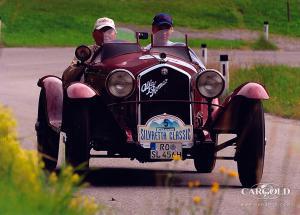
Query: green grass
x=219, y=43
x=262, y=44
x=64, y=23
x=282, y=83
x=212, y=43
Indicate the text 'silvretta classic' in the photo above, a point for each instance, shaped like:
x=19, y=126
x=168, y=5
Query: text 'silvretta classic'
x=150, y=105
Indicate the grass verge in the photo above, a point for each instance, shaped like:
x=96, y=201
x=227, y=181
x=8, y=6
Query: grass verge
x=282, y=83
x=64, y=23
x=211, y=43
x=262, y=44
x=26, y=189
x=219, y=43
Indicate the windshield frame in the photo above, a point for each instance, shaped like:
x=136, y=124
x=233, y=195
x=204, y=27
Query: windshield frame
x=180, y=52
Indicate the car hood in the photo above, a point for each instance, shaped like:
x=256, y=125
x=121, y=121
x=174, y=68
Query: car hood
x=138, y=62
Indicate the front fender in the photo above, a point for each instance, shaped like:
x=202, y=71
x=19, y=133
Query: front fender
x=80, y=91
x=52, y=86
x=252, y=90
x=237, y=106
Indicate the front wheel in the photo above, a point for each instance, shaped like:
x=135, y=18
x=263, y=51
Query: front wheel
x=251, y=145
x=204, y=165
x=78, y=138
x=205, y=158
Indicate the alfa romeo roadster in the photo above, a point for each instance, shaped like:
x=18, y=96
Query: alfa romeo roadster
x=150, y=105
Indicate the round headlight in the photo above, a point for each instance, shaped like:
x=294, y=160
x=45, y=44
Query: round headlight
x=83, y=53
x=120, y=83
x=210, y=83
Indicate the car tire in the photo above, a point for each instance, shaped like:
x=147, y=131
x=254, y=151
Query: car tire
x=205, y=158
x=78, y=136
x=204, y=165
x=47, y=138
x=251, y=145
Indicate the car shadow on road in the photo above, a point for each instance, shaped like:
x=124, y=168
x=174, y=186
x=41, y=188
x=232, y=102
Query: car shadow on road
x=122, y=177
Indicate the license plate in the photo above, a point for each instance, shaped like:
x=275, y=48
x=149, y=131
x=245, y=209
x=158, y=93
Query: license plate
x=165, y=151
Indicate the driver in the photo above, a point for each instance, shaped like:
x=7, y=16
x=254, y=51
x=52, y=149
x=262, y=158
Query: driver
x=162, y=28
x=104, y=31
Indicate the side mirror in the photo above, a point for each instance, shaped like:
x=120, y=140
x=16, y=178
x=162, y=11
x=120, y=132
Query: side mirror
x=83, y=53
x=142, y=35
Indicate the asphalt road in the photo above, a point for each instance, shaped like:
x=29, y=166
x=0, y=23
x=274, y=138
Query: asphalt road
x=128, y=187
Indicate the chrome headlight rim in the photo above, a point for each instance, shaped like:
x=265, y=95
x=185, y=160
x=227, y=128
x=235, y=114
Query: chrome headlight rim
x=109, y=78
x=204, y=73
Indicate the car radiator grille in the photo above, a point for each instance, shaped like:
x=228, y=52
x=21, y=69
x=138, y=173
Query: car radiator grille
x=164, y=83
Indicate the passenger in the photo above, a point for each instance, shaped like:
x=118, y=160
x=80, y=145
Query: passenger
x=104, y=31
x=162, y=28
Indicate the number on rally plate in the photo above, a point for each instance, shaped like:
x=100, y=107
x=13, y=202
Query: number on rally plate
x=165, y=151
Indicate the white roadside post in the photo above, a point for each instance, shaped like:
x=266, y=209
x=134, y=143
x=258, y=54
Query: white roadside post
x=266, y=30
x=224, y=68
x=204, y=53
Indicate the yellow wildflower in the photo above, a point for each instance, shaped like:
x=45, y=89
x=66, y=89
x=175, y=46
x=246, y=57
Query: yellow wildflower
x=75, y=178
x=191, y=184
x=91, y=208
x=196, y=183
x=67, y=171
x=176, y=157
x=53, y=178
x=41, y=164
x=89, y=204
x=232, y=173
x=197, y=199
x=222, y=170
x=74, y=203
x=215, y=187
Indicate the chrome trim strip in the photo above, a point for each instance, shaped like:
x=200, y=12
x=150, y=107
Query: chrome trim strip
x=120, y=70
x=182, y=63
x=164, y=65
x=170, y=59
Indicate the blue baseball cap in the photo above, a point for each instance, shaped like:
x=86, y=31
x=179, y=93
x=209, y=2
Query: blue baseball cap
x=161, y=19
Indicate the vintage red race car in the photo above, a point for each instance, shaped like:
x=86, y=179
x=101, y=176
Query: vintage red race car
x=150, y=105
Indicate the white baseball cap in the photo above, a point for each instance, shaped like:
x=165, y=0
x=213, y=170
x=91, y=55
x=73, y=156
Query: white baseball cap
x=104, y=22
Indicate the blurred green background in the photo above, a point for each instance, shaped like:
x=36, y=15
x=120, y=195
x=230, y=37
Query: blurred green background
x=65, y=23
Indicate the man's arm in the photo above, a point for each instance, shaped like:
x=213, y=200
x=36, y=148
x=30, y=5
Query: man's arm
x=75, y=71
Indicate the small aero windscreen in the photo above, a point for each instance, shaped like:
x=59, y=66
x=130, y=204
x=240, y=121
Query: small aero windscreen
x=116, y=48
x=181, y=52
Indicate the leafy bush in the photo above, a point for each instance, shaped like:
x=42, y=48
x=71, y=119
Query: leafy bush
x=26, y=188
